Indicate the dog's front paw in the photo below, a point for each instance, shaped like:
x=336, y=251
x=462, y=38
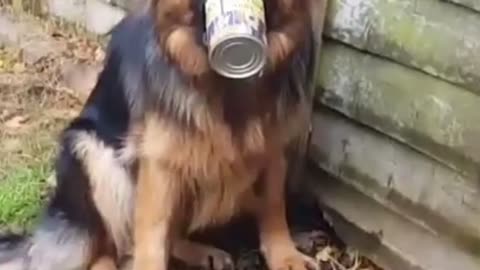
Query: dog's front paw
x=203, y=256
x=290, y=260
x=216, y=259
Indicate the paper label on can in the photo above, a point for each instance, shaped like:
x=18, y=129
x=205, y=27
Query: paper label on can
x=230, y=17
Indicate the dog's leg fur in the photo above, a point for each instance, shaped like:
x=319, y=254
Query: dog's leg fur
x=112, y=189
x=104, y=263
x=154, y=210
x=200, y=255
x=276, y=243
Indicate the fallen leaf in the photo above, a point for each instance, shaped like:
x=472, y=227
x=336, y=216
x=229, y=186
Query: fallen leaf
x=18, y=68
x=16, y=122
x=52, y=180
x=11, y=144
x=324, y=254
x=3, y=114
x=99, y=54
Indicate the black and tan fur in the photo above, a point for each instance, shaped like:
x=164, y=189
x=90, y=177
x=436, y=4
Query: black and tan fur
x=164, y=147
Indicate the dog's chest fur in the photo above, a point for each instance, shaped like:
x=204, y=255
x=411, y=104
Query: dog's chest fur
x=216, y=167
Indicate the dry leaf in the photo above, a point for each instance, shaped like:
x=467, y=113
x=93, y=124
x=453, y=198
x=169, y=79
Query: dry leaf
x=324, y=254
x=16, y=122
x=99, y=54
x=11, y=145
x=81, y=53
x=52, y=180
x=3, y=114
x=19, y=68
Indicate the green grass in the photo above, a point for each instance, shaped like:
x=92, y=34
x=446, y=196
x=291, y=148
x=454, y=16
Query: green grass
x=24, y=170
x=27, y=145
x=22, y=194
x=34, y=107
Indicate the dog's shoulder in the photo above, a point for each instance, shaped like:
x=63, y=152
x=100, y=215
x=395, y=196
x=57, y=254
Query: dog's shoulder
x=134, y=77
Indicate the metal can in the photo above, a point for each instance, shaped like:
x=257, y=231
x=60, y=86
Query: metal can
x=236, y=37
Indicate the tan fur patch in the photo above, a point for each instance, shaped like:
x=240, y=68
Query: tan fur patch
x=211, y=165
x=279, y=47
x=112, y=187
x=155, y=211
x=104, y=263
x=182, y=47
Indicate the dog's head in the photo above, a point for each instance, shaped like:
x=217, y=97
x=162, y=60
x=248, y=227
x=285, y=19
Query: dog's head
x=181, y=26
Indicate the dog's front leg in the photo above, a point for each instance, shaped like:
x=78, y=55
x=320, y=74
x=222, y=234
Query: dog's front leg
x=154, y=210
x=277, y=245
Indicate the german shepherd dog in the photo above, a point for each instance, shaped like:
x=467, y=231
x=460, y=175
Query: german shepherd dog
x=165, y=147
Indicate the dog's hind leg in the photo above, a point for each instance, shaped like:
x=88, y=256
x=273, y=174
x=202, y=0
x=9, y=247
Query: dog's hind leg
x=112, y=188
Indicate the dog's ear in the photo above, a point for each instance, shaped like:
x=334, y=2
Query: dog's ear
x=288, y=24
x=180, y=30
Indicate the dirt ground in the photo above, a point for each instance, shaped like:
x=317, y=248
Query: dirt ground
x=38, y=97
x=34, y=106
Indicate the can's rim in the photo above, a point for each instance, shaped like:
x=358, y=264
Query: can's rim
x=256, y=65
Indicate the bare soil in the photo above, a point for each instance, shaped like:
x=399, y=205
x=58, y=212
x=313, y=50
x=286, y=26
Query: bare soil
x=35, y=104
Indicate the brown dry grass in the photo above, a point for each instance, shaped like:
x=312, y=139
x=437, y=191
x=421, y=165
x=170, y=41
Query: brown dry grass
x=34, y=107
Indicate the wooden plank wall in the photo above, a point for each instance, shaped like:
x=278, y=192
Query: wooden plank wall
x=398, y=109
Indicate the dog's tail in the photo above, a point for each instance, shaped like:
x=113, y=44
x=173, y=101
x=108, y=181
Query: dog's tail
x=54, y=245
x=12, y=249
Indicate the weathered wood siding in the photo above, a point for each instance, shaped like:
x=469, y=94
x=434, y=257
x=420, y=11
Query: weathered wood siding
x=473, y=4
x=433, y=36
x=398, y=111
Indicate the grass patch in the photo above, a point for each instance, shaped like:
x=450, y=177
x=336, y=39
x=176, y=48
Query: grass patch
x=25, y=168
x=22, y=194
x=32, y=113
x=34, y=107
